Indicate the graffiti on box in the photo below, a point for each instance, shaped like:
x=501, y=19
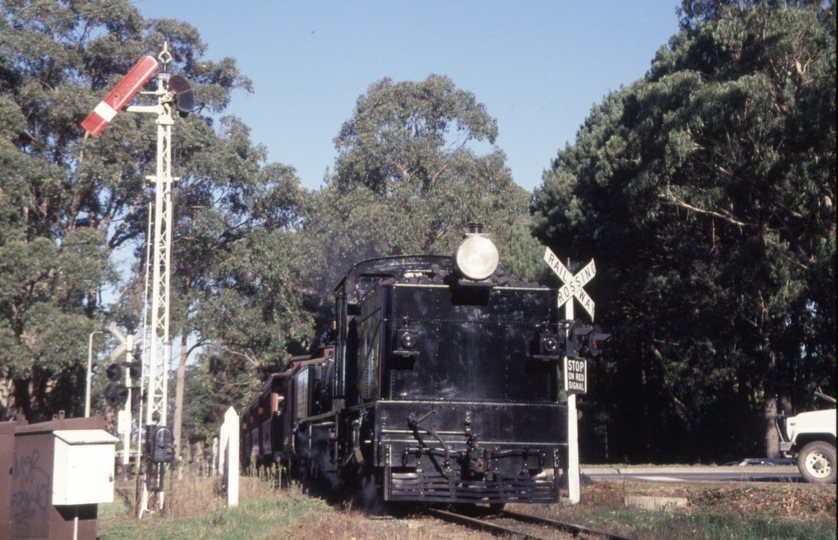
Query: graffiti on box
x=31, y=491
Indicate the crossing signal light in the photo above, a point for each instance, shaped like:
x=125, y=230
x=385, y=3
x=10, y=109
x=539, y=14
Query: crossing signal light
x=113, y=372
x=136, y=396
x=596, y=339
x=580, y=334
x=576, y=336
x=116, y=395
x=135, y=369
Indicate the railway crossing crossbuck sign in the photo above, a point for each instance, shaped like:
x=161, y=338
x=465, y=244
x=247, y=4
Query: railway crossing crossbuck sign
x=572, y=283
x=575, y=369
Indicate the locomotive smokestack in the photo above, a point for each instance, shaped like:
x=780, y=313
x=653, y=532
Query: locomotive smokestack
x=475, y=228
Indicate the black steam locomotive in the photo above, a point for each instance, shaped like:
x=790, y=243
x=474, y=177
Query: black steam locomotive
x=440, y=383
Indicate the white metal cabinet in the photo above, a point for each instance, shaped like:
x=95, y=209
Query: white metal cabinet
x=83, y=470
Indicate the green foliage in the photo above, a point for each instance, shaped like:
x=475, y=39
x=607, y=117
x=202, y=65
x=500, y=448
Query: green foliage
x=401, y=131
x=236, y=270
x=67, y=199
x=705, y=192
x=407, y=180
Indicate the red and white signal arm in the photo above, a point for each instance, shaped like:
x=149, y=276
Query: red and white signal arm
x=120, y=95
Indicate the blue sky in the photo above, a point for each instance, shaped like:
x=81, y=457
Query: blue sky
x=538, y=66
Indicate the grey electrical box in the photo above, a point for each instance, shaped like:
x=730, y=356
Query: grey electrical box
x=83, y=467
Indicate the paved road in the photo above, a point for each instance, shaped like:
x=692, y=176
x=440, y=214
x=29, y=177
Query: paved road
x=733, y=473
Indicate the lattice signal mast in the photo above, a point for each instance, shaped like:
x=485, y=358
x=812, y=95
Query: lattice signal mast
x=173, y=94
x=159, y=350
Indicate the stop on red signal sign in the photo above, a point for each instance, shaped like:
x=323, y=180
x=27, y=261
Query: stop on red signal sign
x=576, y=375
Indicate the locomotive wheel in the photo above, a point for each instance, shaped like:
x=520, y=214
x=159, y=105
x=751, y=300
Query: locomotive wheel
x=817, y=462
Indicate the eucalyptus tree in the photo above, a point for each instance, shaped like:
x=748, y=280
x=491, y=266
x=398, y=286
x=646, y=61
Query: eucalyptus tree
x=706, y=192
x=409, y=177
x=68, y=200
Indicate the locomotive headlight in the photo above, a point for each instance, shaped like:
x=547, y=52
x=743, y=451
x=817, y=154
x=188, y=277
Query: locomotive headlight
x=407, y=339
x=477, y=258
x=546, y=346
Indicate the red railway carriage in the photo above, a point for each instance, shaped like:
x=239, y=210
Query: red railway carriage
x=298, y=392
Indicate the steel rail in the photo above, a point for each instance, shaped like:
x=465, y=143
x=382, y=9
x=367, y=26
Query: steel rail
x=478, y=523
x=569, y=527
x=525, y=518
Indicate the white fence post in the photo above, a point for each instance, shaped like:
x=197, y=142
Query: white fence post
x=229, y=456
x=214, y=456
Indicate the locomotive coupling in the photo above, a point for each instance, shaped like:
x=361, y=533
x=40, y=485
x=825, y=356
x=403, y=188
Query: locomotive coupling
x=476, y=462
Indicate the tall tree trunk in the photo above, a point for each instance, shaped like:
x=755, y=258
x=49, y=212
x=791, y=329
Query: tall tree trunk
x=181, y=371
x=772, y=439
x=22, y=396
x=647, y=428
x=6, y=399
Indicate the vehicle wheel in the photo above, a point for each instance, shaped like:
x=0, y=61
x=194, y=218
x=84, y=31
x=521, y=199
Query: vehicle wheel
x=817, y=462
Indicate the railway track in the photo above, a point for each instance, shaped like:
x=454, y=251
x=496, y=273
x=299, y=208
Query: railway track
x=524, y=526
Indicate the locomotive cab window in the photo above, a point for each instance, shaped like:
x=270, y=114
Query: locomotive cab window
x=369, y=357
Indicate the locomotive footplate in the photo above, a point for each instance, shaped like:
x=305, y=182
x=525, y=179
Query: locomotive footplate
x=469, y=452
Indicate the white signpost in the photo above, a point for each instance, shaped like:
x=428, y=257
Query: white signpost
x=126, y=347
x=572, y=288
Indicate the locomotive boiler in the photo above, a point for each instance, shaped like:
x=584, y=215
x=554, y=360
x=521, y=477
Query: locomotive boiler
x=439, y=383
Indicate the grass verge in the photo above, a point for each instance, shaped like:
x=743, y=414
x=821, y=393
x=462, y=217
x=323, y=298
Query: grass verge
x=195, y=510
x=713, y=511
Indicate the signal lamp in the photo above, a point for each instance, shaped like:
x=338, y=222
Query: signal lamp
x=184, y=96
x=116, y=395
x=159, y=444
x=113, y=372
x=577, y=335
x=135, y=369
x=596, y=339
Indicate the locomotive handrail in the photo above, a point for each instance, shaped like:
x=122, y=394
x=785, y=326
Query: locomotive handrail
x=385, y=431
x=321, y=416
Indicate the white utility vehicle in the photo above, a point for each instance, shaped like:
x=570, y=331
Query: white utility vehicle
x=810, y=437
